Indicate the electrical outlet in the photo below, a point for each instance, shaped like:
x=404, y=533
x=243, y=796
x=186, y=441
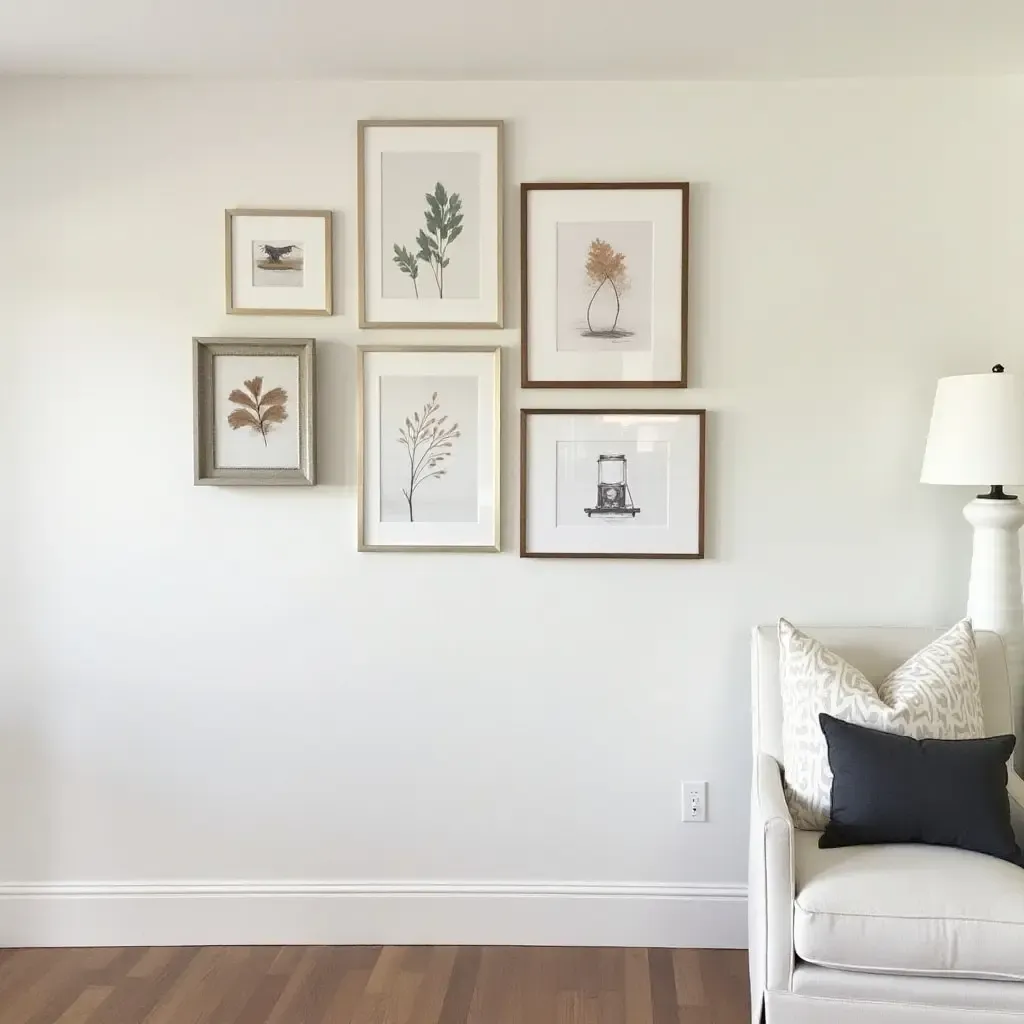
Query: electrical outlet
x=695, y=801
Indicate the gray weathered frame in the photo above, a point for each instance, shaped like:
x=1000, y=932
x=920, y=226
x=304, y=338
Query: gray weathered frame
x=204, y=351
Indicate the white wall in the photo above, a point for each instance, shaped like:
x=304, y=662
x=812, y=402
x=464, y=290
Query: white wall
x=211, y=685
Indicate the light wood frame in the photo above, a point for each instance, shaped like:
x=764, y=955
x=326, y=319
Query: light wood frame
x=361, y=178
x=568, y=186
x=362, y=350
x=204, y=350
x=229, y=283
x=524, y=416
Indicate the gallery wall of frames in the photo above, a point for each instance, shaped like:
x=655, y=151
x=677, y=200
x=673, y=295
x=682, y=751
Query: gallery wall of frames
x=603, y=307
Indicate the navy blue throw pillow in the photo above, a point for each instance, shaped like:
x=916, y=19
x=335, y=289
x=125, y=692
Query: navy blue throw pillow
x=894, y=789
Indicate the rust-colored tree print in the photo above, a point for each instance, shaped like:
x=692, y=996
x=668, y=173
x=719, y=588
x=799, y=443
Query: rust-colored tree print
x=259, y=410
x=428, y=443
x=605, y=266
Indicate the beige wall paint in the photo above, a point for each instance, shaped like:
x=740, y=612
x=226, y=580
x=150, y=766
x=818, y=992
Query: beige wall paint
x=204, y=683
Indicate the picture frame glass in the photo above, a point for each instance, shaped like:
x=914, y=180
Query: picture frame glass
x=429, y=458
x=279, y=262
x=604, y=286
x=430, y=224
x=613, y=484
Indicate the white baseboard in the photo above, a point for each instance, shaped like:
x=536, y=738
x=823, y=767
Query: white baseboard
x=373, y=913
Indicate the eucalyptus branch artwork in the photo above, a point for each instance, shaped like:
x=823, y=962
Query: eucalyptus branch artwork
x=259, y=411
x=408, y=265
x=443, y=218
x=428, y=442
x=605, y=266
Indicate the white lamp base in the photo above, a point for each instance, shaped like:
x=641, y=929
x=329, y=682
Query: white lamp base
x=995, y=599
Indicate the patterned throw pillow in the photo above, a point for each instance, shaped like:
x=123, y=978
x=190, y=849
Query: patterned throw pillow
x=934, y=695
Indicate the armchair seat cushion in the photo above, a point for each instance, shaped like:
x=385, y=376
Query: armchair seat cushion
x=917, y=910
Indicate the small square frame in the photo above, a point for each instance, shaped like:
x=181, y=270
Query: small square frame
x=327, y=309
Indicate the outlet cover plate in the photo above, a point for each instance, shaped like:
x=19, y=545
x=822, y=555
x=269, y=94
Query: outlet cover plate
x=695, y=801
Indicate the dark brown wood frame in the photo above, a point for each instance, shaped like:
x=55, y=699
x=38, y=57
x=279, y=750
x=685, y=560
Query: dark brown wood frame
x=524, y=211
x=523, y=445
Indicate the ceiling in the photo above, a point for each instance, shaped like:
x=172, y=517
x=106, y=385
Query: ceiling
x=516, y=39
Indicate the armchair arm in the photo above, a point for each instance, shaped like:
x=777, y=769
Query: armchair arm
x=1015, y=789
x=772, y=888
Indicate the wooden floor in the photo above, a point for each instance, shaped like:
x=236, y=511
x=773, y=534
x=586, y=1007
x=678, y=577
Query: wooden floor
x=372, y=985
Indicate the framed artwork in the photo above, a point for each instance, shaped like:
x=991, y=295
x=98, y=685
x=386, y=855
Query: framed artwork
x=279, y=262
x=604, y=284
x=430, y=202
x=429, y=449
x=255, y=417
x=612, y=483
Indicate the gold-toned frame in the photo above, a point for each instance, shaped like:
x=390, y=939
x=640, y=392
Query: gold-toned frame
x=499, y=126
x=204, y=351
x=524, y=446
x=229, y=273
x=362, y=350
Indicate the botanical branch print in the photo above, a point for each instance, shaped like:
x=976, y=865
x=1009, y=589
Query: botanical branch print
x=407, y=265
x=605, y=266
x=259, y=411
x=428, y=443
x=443, y=218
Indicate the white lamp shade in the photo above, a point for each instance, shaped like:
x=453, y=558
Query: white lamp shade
x=977, y=431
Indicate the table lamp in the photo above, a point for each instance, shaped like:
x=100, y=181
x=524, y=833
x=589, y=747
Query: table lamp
x=977, y=437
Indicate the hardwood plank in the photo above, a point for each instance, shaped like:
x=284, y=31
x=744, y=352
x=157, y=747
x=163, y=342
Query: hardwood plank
x=133, y=999
x=417, y=958
x=390, y=992
x=50, y=984
x=459, y=997
x=154, y=959
x=664, y=1002
x=64, y=990
x=196, y=994
x=262, y=1000
x=577, y=1008
x=730, y=999
x=431, y=993
x=347, y=997
x=82, y=1009
x=700, y=1015
x=246, y=976
x=297, y=979
x=569, y=1008
x=23, y=968
x=638, y=987
x=102, y=957
x=502, y=983
x=689, y=980
x=385, y=968
x=321, y=971
x=541, y=970
x=401, y=998
x=287, y=959
x=611, y=1007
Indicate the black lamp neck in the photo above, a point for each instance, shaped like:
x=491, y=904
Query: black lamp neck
x=998, y=494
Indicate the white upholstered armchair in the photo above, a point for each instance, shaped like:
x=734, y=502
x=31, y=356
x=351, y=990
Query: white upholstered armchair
x=881, y=934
